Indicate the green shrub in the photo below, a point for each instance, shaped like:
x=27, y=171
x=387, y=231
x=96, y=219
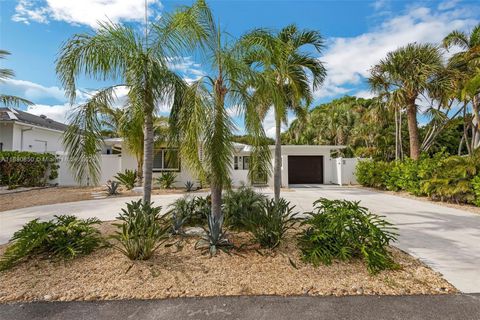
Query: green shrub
x=237, y=204
x=63, y=237
x=166, y=180
x=215, y=238
x=373, y=173
x=112, y=188
x=188, y=211
x=27, y=169
x=340, y=229
x=128, y=178
x=269, y=224
x=141, y=232
x=476, y=190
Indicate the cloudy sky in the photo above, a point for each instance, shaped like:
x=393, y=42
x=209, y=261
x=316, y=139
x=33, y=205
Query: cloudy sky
x=357, y=33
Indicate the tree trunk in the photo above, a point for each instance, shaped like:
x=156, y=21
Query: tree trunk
x=148, y=156
x=216, y=194
x=277, y=169
x=413, y=130
x=476, y=122
x=140, y=169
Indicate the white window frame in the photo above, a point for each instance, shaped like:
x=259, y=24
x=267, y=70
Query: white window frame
x=163, y=169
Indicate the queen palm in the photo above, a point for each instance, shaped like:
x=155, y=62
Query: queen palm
x=410, y=72
x=8, y=100
x=288, y=76
x=134, y=60
x=467, y=64
x=203, y=122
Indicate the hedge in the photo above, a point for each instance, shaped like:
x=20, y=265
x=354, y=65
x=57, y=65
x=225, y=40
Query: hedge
x=441, y=177
x=27, y=169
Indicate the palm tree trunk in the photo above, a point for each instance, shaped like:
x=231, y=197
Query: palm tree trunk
x=476, y=122
x=277, y=169
x=216, y=194
x=413, y=130
x=140, y=169
x=148, y=157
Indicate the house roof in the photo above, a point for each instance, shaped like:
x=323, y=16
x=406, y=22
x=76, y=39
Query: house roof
x=15, y=115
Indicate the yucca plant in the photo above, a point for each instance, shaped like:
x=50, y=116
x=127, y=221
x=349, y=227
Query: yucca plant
x=141, y=232
x=128, y=178
x=239, y=203
x=340, y=229
x=63, y=237
x=112, y=188
x=189, y=185
x=166, y=180
x=270, y=224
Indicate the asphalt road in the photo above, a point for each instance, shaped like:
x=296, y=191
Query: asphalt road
x=463, y=307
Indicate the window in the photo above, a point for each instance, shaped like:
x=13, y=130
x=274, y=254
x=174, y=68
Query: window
x=166, y=160
x=246, y=163
x=235, y=163
x=241, y=162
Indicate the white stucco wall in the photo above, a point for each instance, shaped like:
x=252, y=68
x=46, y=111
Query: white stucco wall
x=22, y=137
x=6, y=135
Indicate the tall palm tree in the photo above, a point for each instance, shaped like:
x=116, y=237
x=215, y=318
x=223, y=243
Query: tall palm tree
x=8, y=100
x=467, y=63
x=136, y=61
x=408, y=71
x=202, y=122
x=288, y=76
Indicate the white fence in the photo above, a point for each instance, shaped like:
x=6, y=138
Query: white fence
x=343, y=170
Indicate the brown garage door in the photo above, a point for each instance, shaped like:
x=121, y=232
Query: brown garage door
x=305, y=169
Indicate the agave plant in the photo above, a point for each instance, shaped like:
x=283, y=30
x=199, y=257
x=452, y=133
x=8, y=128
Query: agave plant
x=112, y=187
x=128, y=178
x=215, y=238
x=189, y=186
x=166, y=180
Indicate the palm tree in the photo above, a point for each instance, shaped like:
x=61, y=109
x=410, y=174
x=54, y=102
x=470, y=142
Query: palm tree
x=8, y=100
x=467, y=63
x=408, y=72
x=286, y=83
x=136, y=61
x=202, y=122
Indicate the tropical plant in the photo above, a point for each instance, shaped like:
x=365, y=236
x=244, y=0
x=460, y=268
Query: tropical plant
x=5, y=74
x=128, y=178
x=288, y=74
x=167, y=180
x=340, y=229
x=187, y=211
x=215, y=238
x=112, y=187
x=189, y=185
x=237, y=204
x=270, y=224
x=404, y=75
x=141, y=232
x=476, y=190
x=140, y=63
x=63, y=237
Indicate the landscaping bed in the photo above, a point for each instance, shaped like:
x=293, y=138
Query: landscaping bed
x=183, y=271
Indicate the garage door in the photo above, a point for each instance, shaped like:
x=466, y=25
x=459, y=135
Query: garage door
x=305, y=169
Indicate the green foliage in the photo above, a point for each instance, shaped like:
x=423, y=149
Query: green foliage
x=189, y=185
x=166, y=180
x=215, y=238
x=188, y=211
x=141, y=232
x=441, y=177
x=112, y=188
x=63, y=237
x=27, y=169
x=128, y=178
x=476, y=190
x=340, y=229
x=237, y=204
x=269, y=224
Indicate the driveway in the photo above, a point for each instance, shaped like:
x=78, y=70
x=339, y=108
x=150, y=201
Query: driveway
x=465, y=307
x=446, y=239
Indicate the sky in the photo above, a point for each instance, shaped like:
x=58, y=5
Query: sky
x=357, y=35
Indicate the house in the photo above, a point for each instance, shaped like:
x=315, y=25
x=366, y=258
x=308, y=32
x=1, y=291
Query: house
x=23, y=131
x=301, y=164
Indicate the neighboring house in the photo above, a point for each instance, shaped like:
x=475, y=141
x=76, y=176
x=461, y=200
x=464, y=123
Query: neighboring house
x=23, y=131
x=301, y=164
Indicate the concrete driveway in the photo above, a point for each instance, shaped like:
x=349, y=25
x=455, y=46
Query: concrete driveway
x=446, y=239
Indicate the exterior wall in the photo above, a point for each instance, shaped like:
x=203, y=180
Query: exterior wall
x=344, y=169
x=22, y=137
x=6, y=135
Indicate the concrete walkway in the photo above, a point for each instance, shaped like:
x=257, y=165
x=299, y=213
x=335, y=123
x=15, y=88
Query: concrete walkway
x=465, y=307
x=446, y=239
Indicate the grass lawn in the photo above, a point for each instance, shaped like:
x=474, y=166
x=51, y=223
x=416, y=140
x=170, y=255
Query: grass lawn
x=183, y=271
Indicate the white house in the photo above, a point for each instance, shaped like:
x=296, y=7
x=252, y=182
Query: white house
x=22, y=131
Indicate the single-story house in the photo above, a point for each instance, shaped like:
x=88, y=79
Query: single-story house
x=23, y=131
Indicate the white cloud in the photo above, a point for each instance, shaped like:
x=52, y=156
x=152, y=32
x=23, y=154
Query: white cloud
x=82, y=12
x=189, y=69
x=55, y=112
x=269, y=123
x=348, y=60
x=31, y=91
x=366, y=94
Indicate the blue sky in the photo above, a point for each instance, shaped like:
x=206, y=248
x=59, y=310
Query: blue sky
x=357, y=34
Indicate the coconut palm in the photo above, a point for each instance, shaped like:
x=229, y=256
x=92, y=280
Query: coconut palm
x=203, y=123
x=136, y=61
x=467, y=64
x=288, y=76
x=409, y=72
x=8, y=100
